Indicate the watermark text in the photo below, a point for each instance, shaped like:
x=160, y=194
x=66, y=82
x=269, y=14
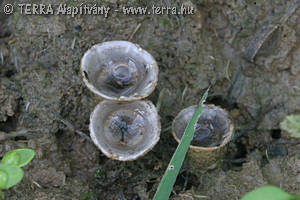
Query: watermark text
x=83, y=9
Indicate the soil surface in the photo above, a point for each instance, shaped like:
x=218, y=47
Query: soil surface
x=247, y=51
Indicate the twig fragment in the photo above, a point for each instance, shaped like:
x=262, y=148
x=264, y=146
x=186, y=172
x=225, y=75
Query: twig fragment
x=37, y=184
x=160, y=99
x=134, y=31
x=2, y=58
x=226, y=70
x=73, y=43
x=5, y=136
x=260, y=37
x=72, y=128
x=266, y=30
x=184, y=92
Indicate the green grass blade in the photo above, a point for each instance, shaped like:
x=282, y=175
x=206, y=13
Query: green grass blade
x=166, y=185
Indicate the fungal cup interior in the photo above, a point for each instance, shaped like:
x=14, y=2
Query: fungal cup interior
x=119, y=68
x=125, y=127
x=212, y=129
x=125, y=130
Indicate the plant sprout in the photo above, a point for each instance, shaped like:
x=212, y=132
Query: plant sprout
x=169, y=178
x=269, y=192
x=291, y=124
x=11, y=172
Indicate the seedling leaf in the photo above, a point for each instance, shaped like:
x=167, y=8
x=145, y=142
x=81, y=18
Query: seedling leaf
x=291, y=124
x=3, y=179
x=169, y=178
x=14, y=174
x=18, y=157
x=268, y=193
x=11, y=158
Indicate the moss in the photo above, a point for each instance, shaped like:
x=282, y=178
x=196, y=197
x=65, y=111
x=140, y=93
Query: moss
x=87, y=195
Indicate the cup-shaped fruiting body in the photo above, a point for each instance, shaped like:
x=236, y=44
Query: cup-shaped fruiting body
x=119, y=70
x=213, y=130
x=125, y=130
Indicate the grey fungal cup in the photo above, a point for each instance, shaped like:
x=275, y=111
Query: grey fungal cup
x=125, y=130
x=214, y=129
x=119, y=70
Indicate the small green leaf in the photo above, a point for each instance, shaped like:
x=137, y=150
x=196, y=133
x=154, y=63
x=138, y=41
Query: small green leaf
x=11, y=158
x=18, y=157
x=26, y=156
x=291, y=124
x=14, y=174
x=3, y=179
x=268, y=193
